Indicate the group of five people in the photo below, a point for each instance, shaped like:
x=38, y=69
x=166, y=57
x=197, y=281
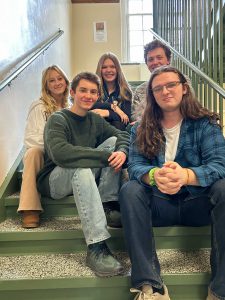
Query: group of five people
x=175, y=156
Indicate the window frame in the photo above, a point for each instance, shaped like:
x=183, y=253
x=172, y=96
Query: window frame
x=125, y=41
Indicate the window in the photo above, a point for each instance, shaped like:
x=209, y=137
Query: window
x=137, y=18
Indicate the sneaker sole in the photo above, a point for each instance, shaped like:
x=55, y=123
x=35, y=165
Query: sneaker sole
x=105, y=274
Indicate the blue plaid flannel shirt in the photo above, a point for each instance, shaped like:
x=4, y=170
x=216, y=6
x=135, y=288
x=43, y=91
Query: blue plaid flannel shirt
x=201, y=148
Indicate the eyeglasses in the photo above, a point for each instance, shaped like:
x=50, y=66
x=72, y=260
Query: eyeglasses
x=169, y=86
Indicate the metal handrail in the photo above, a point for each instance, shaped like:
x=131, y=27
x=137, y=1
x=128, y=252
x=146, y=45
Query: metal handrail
x=211, y=82
x=7, y=81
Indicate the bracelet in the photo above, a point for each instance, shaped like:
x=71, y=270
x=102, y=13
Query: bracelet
x=151, y=176
x=187, y=176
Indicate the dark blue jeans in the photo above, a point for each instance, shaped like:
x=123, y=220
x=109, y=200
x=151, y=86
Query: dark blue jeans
x=143, y=208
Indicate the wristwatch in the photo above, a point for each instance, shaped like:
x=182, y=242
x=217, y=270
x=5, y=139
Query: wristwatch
x=115, y=103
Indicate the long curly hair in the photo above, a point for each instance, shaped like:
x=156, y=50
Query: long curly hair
x=124, y=88
x=46, y=97
x=150, y=138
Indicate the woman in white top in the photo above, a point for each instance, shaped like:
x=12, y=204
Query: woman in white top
x=54, y=96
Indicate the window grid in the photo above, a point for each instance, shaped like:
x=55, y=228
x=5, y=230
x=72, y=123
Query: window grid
x=136, y=30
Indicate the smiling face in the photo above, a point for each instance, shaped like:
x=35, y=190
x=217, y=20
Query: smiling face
x=156, y=58
x=56, y=84
x=85, y=96
x=108, y=71
x=168, y=91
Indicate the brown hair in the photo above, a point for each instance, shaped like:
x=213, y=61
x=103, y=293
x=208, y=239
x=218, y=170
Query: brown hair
x=86, y=76
x=124, y=88
x=154, y=45
x=150, y=137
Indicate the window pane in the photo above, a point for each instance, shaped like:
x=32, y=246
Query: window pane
x=135, y=22
x=138, y=21
x=147, y=22
x=136, y=53
x=136, y=38
x=148, y=37
x=147, y=6
x=135, y=6
x=139, y=6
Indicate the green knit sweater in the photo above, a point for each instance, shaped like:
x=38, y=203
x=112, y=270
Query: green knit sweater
x=70, y=141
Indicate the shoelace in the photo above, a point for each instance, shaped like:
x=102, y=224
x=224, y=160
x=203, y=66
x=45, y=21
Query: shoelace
x=106, y=251
x=142, y=296
x=102, y=249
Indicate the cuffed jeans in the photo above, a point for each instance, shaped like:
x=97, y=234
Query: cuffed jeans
x=143, y=208
x=87, y=195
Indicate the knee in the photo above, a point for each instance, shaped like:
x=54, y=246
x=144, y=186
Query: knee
x=217, y=192
x=34, y=153
x=111, y=142
x=83, y=174
x=131, y=193
x=33, y=159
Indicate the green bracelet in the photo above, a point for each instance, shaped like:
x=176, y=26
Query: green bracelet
x=151, y=176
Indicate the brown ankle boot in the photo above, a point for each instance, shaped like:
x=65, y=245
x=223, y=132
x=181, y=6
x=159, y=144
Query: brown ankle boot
x=30, y=218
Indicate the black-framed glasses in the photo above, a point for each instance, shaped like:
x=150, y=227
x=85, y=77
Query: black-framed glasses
x=169, y=86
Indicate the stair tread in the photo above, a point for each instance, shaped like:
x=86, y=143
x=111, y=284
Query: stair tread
x=13, y=200
x=47, y=224
x=61, y=223
x=73, y=265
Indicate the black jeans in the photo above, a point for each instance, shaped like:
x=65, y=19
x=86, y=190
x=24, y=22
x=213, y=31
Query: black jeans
x=143, y=208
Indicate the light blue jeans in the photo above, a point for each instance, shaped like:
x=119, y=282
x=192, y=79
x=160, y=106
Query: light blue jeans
x=88, y=195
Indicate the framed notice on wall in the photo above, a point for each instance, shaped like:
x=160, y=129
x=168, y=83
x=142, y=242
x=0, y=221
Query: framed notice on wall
x=100, y=32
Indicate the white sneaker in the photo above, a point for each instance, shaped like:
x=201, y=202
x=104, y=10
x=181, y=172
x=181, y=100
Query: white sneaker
x=149, y=295
x=211, y=296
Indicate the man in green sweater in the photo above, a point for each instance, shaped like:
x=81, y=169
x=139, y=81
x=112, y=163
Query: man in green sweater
x=80, y=148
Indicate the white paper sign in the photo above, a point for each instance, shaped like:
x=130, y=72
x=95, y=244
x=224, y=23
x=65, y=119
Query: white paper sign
x=100, y=32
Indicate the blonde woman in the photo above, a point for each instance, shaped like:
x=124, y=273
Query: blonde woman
x=54, y=96
x=115, y=102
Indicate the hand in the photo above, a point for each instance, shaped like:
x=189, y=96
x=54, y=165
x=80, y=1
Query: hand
x=116, y=160
x=102, y=112
x=170, y=178
x=179, y=174
x=124, y=118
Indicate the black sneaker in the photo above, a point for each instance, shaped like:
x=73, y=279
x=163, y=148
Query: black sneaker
x=100, y=260
x=112, y=213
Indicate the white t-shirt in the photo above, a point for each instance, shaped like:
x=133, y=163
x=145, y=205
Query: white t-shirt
x=172, y=138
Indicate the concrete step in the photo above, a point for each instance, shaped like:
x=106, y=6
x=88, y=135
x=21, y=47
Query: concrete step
x=64, y=235
x=65, y=276
x=63, y=207
x=49, y=262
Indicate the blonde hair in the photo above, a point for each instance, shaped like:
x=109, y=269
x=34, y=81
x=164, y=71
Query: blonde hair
x=124, y=88
x=46, y=97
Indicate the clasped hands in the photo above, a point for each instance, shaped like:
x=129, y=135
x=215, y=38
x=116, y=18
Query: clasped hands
x=170, y=178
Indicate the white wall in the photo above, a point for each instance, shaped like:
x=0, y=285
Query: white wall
x=86, y=52
x=25, y=24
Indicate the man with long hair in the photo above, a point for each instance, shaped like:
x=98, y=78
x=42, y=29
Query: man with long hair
x=177, y=170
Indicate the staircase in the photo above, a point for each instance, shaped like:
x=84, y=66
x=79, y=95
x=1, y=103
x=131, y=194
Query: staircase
x=49, y=262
